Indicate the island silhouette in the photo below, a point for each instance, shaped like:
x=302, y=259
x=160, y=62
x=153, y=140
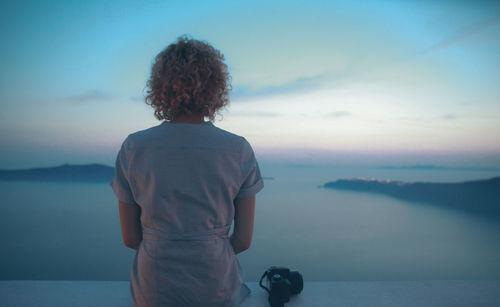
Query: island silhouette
x=66, y=173
x=478, y=196
x=87, y=173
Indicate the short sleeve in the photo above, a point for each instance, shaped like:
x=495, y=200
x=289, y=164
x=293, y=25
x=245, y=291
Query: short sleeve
x=252, y=181
x=120, y=183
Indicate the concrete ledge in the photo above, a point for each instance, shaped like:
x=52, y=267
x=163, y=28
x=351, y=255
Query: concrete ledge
x=335, y=293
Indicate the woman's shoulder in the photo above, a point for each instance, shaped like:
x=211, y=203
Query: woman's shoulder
x=231, y=139
x=226, y=134
x=143, y=136
x=207, y=135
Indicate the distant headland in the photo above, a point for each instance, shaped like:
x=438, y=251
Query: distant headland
x=479, y=196
x=66, y=173
x=429, y=167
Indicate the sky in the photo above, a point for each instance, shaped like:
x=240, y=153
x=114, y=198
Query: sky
x=380, y=82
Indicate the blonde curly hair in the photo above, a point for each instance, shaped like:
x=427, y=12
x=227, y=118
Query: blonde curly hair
x=188, y=77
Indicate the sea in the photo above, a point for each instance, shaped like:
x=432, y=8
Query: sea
x=71, y=231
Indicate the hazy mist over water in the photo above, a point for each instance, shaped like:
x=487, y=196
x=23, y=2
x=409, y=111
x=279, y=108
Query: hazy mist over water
x=71, y=231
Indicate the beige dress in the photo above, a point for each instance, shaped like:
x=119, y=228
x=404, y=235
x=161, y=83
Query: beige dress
x=185, y=178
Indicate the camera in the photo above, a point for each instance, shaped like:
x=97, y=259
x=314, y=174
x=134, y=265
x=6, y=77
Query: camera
x=283, y=283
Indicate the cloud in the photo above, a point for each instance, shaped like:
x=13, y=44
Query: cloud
x=90, y=96
x=136, y=98
x=338, y=114
x=462, y=35
x=254, y=114
x=428, y=119
x=297, y=86
x=449, y=116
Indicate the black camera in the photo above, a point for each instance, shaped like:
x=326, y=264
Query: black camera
x=283, y=283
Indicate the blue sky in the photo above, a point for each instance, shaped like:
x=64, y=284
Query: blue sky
x=405, y=81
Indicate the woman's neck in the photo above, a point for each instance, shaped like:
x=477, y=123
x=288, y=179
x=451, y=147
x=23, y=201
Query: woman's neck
x=189, y=119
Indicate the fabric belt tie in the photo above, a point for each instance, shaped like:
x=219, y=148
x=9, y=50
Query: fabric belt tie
x=158, y=235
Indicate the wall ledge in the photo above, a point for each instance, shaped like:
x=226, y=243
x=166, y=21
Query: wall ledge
x=52, y=293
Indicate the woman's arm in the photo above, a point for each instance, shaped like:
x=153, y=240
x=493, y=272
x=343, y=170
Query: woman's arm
x=241, y=238
x=130, y=220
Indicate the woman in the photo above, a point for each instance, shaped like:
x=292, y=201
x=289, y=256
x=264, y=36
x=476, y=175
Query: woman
x=180, y=185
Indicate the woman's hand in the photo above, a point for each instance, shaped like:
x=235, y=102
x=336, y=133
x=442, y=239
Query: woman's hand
x=130, y=220
x=241, y=238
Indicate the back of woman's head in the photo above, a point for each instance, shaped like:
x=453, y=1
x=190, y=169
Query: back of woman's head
x=188, y=77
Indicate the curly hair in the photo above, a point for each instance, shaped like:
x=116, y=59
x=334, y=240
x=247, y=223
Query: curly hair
x=188, y=77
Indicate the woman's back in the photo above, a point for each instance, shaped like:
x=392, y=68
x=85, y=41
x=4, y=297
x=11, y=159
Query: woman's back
x=185, y=178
